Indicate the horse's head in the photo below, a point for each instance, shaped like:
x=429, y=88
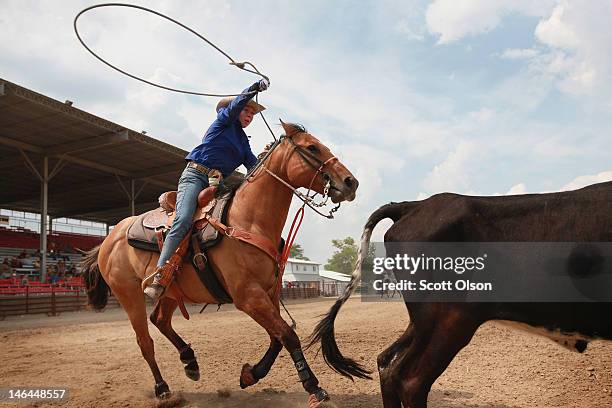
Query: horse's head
x=310, y=164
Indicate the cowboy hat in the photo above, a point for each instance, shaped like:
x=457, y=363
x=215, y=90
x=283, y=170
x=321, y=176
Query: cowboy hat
x=223, y=103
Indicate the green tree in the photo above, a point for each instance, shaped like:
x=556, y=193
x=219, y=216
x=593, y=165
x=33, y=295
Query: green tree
x=297, y=252
x=367, y=274
x=344, y=257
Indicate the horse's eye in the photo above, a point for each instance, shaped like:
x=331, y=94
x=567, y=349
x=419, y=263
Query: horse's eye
x=313, y=149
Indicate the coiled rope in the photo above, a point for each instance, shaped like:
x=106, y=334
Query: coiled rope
x=240, y=65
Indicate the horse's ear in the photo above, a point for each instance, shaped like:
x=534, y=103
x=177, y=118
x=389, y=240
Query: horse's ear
x=286, y=127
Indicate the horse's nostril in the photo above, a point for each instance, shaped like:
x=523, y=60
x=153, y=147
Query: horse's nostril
x=349, y=182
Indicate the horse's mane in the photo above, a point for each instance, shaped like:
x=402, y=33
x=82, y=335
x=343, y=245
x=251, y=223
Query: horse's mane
x=296, y=127
x=230, y=184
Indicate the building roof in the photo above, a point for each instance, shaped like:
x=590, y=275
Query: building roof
x=337, y=276
x=303, y=261
x=94, y=164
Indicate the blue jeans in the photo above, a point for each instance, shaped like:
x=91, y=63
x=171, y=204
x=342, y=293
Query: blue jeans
x=189, y=186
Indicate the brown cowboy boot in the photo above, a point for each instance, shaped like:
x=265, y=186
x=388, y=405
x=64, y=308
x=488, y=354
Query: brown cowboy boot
x=164, y=275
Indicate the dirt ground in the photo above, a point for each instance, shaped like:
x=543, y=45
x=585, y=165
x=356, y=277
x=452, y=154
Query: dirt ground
x=96, y=356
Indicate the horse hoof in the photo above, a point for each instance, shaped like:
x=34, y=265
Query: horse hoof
x=321, y=395
x=246, y=376
x=192, y=371
x=319, y=399
x=193, y=375
x=162, y=390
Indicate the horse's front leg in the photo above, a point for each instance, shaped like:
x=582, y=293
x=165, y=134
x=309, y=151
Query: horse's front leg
x=250, y=375
x=255, y=302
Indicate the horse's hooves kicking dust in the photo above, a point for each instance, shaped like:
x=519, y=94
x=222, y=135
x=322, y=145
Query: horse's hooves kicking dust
x=170, y=401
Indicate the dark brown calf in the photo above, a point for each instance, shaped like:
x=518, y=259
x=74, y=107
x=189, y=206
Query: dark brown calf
x=438, y=331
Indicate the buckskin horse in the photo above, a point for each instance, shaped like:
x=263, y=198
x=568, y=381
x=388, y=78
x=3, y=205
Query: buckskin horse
x=248, y=274
x=438, y=331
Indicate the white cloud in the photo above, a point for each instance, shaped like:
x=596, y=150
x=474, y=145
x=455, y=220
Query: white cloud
x=556, y=32
x=484, y=114
x=517, y=189
x=449, y=18
x=583, y=181
x=453, y=174
x=452, y=20
x=405, y=28
x=519, y=53
x=575, y=34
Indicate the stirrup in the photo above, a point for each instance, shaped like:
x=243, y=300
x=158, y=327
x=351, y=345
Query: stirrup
x=155, y=291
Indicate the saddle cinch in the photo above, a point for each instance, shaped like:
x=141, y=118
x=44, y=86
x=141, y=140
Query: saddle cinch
x=148, y=231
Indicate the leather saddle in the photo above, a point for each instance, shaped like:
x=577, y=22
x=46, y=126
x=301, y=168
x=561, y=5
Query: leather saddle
x=148, y=229
x=145, y=231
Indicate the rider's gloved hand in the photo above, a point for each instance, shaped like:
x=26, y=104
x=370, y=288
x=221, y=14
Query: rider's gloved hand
x=263, y=84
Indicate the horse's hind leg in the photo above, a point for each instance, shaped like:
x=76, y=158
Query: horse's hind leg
x=132, y=299
x=161, y=317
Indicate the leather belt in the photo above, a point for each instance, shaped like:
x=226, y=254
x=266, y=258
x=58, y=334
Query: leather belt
x=199, y=167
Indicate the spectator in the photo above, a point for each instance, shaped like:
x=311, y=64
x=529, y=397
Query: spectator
x=55, y=278
x=27, y=262
x=15, y=263
x=50, y=270
x=61, y=267
x=23, y=254
x=24, y=280
x=5, y=269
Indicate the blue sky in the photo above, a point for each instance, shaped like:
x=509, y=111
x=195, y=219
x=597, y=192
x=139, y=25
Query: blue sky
x=470, y=96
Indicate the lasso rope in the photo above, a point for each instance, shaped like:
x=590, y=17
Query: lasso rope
x=240, y=65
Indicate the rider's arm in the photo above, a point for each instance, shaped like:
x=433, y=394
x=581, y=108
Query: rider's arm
x=250, y=160
x=231, y=113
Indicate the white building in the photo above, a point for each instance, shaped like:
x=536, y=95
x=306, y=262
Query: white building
x=310, y=274
x=299, y=270
x=333, y=283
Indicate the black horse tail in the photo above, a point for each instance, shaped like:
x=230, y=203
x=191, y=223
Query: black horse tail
x=324, y=330
x=97, y=288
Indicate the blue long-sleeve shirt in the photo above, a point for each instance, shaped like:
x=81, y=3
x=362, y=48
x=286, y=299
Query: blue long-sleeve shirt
x=225, y=146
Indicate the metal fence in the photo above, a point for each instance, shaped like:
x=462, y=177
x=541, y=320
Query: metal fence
x=311, y=289
x=333, y=289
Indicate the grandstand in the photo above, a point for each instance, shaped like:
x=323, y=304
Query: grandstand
x=62, y=162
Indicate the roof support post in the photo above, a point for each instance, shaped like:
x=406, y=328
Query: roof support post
x=44, y=197
x=133, y=197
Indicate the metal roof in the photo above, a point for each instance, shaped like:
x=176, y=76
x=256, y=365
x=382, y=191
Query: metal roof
x=302, y=261
x=94, y=165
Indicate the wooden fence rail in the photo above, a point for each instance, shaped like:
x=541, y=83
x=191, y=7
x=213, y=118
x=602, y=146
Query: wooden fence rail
x=51, y=302
x=54, y=299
